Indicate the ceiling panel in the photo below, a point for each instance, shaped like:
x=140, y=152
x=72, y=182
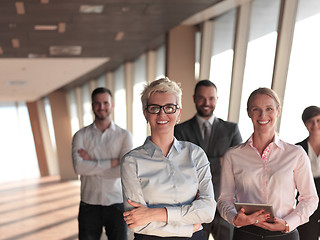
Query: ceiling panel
x=144, y=23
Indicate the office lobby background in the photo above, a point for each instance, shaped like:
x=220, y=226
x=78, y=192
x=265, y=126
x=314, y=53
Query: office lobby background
x=217, y=53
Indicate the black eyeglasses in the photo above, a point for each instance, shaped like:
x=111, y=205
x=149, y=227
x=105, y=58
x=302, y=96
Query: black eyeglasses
x=168, y=108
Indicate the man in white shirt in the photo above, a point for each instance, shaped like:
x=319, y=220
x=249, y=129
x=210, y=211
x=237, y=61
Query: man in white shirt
x=96, y=153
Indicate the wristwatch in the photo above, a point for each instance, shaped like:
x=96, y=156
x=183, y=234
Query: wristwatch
x=286, y=230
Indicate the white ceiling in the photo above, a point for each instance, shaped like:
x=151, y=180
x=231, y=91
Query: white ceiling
x=35, y=78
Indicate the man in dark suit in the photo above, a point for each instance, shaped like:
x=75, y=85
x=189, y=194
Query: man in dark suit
x=215, y=136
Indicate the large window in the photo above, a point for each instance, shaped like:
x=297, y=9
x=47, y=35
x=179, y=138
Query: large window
x=47, y=108
x=303, y=82
x=139, y=130
x=221, y=60
x=18, y=155
x=87, y=109
x=197, y=56
x=101, y=81
x=120, y=109
x=73, y=111
x=161, y=62
x=260, y=55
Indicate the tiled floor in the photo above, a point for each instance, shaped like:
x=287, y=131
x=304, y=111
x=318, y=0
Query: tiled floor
x=43, y=209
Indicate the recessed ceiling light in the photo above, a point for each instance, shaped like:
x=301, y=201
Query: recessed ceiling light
x=12, y=25
x=125, y=9
x=45, y=27
x=119, y=36
x=15, y=42
x=20, y=8
x=16, y=82
x=91, y=8
x=61, y=27
x=36, y=55
x=65, y=50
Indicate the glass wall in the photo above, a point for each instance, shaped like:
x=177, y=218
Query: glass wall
x=161, y=62
x=47, y=108
x=221, y=60
x=260, y=55
x=87, y=109
x=303, y=82
x=101, y=81
x=73, y=111
x=197, y=56
x=120, y=109
x=139, y=123
x=18, y=154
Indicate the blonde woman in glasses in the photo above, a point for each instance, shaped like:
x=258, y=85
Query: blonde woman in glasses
x=166, y=183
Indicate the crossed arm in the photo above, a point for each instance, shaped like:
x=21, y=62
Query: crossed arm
x=141, y=215
x=168, y=220
x=85, y=156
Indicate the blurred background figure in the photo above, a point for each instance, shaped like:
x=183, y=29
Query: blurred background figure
x=96, y=153
x=311, y=119
x=215, y=136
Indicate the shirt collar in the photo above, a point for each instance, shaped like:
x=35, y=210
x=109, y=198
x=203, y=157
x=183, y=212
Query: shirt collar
x=201, y=120
x=152, y=148
x=176, y=145
x=276, y=140
x=111, y=127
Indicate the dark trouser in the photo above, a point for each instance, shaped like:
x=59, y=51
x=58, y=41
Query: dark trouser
x=196, y=236
x=92, y=218
x=311, y=229
x=252, y=232
x=219, y=228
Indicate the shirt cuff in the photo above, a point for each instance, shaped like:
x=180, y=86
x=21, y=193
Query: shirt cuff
x=292, y=221
x=230, y=217
x=174, y=214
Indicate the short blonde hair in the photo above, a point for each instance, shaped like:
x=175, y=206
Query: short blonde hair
x=162, y=85
x=264, y=91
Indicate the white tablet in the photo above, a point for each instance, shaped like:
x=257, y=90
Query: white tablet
x=253, y=207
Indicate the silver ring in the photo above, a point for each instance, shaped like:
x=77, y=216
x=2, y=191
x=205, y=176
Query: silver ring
x=257, y=221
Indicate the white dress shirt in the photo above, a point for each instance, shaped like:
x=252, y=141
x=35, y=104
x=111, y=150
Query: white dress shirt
x=100, y=184
x=315, y=161
x=201, y=121
x=271, y=179
x=172, y=181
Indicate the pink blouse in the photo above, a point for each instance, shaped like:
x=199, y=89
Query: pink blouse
x=272, y=178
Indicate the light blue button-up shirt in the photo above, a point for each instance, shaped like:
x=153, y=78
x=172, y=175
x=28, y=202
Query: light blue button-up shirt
x=172, y=181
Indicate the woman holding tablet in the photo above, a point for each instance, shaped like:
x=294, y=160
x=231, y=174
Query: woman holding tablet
x=266, y=170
